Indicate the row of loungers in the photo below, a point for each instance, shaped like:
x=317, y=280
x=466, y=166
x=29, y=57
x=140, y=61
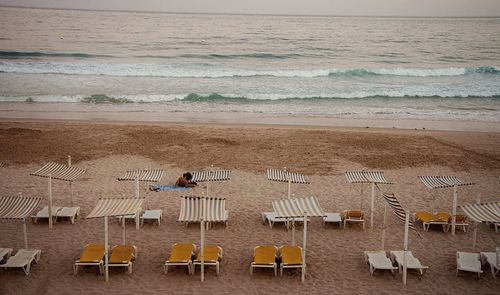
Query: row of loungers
x=93, y=255
x=347, y=216
x=440, y=218
x=57, y=213
x=22, y=259
x=188, y=255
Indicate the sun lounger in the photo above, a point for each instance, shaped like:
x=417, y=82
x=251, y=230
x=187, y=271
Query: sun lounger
x=411, y=261
x=353, y=216
x=270, y=217
x=130, y=217
x=291, y=257
x=5, y=254
x=264, y=256
x=333, y=218
x=212, y=256
x=154, y=215
x=469, y=262
x=23, y=259
x=68, y=212
x=427, y=219
x=123, y=255
x=181, y=254
x=44, y=213
x=93, y=254
x=493, y=259
x=378, y=260
x=460, y=222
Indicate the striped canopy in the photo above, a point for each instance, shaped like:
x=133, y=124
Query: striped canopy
x=398, y=209
x=116, y=207
x=485, y=212
x=2, y=164
x=290, y=208
x=433, y=181
x=153, y=175
x=284, y=176
x=215, y=209
x=215, y=175
x=59, y=171
x=366, y=177
x=18, y=207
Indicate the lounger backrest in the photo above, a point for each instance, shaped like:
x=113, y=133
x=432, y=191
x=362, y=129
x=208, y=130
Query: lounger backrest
x=291, y=254
x=265, y=254
x=211, y=253
x=122, y=254
x=181, y=252
x=92, y=253
x=355, y=214
x=458, y=218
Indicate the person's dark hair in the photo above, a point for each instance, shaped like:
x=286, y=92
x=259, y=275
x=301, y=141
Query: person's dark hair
x=188, y=175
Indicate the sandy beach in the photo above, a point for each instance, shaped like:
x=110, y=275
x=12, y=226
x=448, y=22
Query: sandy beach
x=335, y=263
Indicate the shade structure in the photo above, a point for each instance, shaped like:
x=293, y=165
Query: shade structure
x=192, y=209
x=53, y=170
x=19, y=207
x=482, y=212
x=299, y=207
x=211, y=175
x=373, y=177
x=147, y=175
x=113, y=207
x=404, y=217
x=285, y=176
x=437, y=182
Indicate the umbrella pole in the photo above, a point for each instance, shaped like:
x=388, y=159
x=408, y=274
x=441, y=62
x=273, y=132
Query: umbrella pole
x=137, y=186
x=454, y=211
x=474, y=233
x=106, y=254
x=372, y=205
x=293, y=231
x=407, y=224
x=25, y=234
x=71, y=192
x=50, y=200
x=202, y=242
x=123, y=230
x=304, y=242
x=383, y=227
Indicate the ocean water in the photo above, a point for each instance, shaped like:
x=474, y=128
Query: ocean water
x=352, y=67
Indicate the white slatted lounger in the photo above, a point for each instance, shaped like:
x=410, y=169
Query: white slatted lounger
x=271, y=218
x=491, y=259
x=154, y=215
x=23, y=259
x=333, y=218
x=5, y=254
x=411, y=261
x=469, y=262
x=378, y=260
x=44, y=213
x=68, y=212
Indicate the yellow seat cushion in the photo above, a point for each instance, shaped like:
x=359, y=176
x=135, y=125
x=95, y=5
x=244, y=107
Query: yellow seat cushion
x=181, y=253
x=122, y=254
x=425, y=216
x=92, y=253
x=211, y=253
x=265, y=255
x=291, y=255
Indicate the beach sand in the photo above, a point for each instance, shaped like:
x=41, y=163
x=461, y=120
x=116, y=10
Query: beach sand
x=335, y=263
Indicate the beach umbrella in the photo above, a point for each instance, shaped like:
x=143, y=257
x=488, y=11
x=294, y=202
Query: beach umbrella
x=438, y=182
x=295, y=208
x=482, y=212
x=403, y=216
x=373, y=177
x=19, y=207
x=211, y=176
x=53, y=170
x=114, y=207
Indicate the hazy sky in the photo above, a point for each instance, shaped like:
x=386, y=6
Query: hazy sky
x=322, y=7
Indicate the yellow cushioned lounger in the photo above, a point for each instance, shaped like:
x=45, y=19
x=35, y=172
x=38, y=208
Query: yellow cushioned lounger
x=181, y=255
x=93, y=254
x=122, y=255
x=212, y=255
x=291, y=257
x=264, y=256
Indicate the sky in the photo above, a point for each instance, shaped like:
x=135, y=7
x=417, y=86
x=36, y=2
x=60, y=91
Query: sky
x=309, y=7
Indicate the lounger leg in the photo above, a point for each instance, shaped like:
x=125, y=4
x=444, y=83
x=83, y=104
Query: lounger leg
x=130, y=268
x=275, y=270
x=217, y=268
x=75, y=269
x=251, y=270
x=165, y=268
x=281, y=270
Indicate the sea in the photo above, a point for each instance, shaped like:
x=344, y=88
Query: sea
x=310, y=66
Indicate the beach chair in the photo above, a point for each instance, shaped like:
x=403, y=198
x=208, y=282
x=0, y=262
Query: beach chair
x=460, y=222
x=469, y=262
x=411, y=261
x=493, y=259
x=333, y=218
x=378, y=260
x=92, y=254
x=122, y=256
x=353, y=216
x=271, y=219
x=130, y=217
x=23, y=259
x=265, y=256
x=5, y=254
x=427, y=219
x=213, y=256
x=291, y=257
x=180, y=255
x=44, y=214
x=153, y=215
x=68, y=212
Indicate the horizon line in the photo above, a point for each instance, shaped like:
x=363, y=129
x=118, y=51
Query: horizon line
x=249, y=14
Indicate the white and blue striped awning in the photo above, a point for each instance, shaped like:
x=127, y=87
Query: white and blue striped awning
x=398, y=209
x=366, y=177
x=59, y=171
x=434, y=181
x=297, y=207
x=147, y=175
x=191, y=209
x=485, y=212
x=116, y=207
x=18, y=207
x=285, y=176
x=214, y=175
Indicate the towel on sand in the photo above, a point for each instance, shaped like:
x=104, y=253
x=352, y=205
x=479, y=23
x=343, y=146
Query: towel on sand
x=161, y=187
